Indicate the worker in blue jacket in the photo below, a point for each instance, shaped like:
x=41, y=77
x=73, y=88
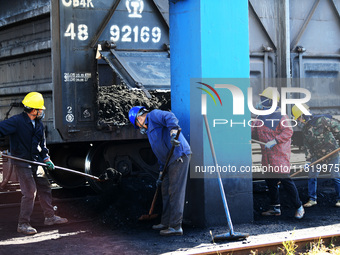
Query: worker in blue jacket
x=27, y=141
x=161, y=128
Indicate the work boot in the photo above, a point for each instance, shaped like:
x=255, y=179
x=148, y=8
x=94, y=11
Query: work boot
x=159, y=227
x=310, y=203
x=299, y=213
x=337, y=203
x=26, y=229
x=55, y=220
x=172, y=231
x=274, y=210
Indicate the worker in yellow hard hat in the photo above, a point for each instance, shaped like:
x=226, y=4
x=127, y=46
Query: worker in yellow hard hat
x=275, y=149
x=320, y=134
x=34, y=105
x=27, y=141
x=266, y=98
x=298, y=113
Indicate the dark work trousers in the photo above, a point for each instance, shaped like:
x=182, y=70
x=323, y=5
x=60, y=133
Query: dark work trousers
x=30, y=186
x=173, y=192
x=333, y=168
x=288, y=184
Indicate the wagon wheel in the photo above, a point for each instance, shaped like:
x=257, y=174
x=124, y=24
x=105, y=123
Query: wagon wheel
x=6, y=172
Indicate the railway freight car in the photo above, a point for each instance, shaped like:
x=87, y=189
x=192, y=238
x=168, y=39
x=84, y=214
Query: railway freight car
x=92, y=60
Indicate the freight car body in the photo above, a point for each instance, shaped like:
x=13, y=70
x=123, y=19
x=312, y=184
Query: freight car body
x=51, y=47
x=73, y=52
x=294, y=43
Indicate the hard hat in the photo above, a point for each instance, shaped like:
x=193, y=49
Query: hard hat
x=34, y=100
x=268, y=93
x=133, y=113
x=297, y=112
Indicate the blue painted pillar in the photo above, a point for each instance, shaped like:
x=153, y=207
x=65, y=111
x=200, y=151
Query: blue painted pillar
x=210, y=44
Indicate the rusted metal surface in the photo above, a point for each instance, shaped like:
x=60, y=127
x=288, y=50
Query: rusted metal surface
x=266, y=246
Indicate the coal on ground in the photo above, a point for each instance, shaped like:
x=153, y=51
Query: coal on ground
x=120, y=207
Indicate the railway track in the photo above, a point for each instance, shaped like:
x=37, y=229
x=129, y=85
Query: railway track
x=72, y=203
x=272, y=243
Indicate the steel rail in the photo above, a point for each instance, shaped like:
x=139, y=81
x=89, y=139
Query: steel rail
x=269, y=247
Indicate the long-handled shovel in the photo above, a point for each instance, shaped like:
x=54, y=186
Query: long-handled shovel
x=151, y=216
x=231, y=235
x=317, y=161
x=103, y=177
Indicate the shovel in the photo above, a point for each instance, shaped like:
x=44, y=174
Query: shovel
x=231, y=235
x=103, y=177
x=151, y=216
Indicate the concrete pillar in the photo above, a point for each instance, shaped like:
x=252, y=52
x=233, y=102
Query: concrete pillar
x=210, y=43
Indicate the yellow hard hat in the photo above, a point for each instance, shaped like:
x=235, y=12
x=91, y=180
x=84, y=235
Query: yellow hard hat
x=297, y=112
x=268, y=93
x=34, y=100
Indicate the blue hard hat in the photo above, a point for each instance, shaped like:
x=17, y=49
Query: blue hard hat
x=133, y=114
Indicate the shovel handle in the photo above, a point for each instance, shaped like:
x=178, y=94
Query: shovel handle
x=255, y=141
x=170, y=154
x=56, y=167
x=154, y=201
x=164, y=172
x=317, y=161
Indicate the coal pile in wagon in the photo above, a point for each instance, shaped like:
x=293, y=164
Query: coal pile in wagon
x=115, y=101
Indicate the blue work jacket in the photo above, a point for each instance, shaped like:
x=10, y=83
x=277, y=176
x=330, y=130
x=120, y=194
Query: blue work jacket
x=26, y=141
x=160, y=123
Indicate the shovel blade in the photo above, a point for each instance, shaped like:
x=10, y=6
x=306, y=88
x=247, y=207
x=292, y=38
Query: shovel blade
x=148, y=217
x=110, y=174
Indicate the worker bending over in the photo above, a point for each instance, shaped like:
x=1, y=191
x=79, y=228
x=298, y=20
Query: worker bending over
x=320, y=135
x=161, y=128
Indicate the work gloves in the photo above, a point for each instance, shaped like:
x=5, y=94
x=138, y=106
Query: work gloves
x=269, y=145
x=50, y=165
x=3, y=152
x=158, y=182
x=174, y=141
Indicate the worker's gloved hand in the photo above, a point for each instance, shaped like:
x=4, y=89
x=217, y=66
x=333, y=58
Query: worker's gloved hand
x=50, y=165
x=174, y=141
x=158, y=182
x=3, y=152
x=269, y=145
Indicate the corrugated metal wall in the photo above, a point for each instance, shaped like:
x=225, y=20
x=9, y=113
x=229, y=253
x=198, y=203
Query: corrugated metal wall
x=304, y=36
x=25, y=56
